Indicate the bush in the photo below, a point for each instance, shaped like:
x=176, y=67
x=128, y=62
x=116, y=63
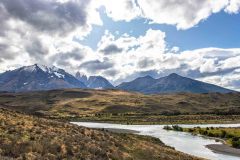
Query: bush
x=223, y=134
x=177, y=128
x=236, y=144
x=229, y=135
x=205, y=133
x=167, y=128
x=235, y=138
x=210, y=134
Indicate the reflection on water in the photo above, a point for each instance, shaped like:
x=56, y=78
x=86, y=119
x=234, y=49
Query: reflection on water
x=185, y=142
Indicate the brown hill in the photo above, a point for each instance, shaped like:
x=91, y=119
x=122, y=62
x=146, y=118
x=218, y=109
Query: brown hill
x=31, y=138
x=72, y=102
x=125, y=107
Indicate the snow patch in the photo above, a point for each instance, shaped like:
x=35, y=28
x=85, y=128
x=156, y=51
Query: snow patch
x=59, y=75
x=29, y=68
x=43, y=68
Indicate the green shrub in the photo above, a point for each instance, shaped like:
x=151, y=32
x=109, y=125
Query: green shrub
x=223, y=133
x=167, y=128
x=177, y=128
x=236, y=144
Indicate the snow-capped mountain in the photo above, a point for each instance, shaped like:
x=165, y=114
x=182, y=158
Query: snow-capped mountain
x=94, y=82
x=37, y=77
x=40, y=77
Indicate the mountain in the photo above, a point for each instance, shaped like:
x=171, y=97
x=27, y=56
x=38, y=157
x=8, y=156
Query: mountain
x=95, y=82
x=172, y=83
x=81, y=77
x=37, y=77
x=99, y=82
x=138, y=84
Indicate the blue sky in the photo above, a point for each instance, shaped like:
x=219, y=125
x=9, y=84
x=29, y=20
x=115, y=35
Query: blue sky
x=220, y=30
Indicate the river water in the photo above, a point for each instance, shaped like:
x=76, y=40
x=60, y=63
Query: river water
x=184, y=142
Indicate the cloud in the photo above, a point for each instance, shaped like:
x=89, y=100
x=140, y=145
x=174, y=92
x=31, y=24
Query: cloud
x=149, y=55
x=35, y=30
x=110, y=72
x=48, y=15
x=111, y=49
x=96, y=65
x=48, y=32
x=233, y=7
x=120, y=10
x=182, y=14
x=36, y=48
x=145, y=62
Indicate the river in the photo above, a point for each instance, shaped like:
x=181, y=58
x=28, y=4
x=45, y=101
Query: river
x=181, y=141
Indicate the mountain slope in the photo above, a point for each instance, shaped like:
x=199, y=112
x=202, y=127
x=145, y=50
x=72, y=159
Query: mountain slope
x=138, y=84
x=94, y=82
x=99, y=82
x=37, y=77
x=172, y=83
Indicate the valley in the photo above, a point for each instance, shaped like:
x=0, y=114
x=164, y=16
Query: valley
x=34, y=118
x=38, y=105
x=119, y=80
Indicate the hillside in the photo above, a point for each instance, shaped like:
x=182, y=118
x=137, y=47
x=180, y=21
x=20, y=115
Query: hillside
x=172, y=83
x=105, y=104
x=30, y=138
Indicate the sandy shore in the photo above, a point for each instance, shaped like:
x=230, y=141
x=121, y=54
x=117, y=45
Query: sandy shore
x=224, y=149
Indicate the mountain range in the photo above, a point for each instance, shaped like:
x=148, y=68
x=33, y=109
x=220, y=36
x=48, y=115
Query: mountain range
x=172, y=83
x=40, y=77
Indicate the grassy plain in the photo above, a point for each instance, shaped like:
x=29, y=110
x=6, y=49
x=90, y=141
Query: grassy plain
x=124, y=107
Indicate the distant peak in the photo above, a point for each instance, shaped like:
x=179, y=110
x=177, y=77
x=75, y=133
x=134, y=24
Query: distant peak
x=80, y=74
x=173, y=75
x=29, y=68
x=43, y=68
x=147, y=76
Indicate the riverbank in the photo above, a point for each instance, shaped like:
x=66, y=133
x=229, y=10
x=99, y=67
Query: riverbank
x=136, y=119
x=224, y=149
x=115, y=130
x=181, y=141
x=229, y=137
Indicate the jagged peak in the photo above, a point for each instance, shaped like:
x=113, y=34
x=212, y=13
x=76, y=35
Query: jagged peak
x=44, y=68
x=80, y=74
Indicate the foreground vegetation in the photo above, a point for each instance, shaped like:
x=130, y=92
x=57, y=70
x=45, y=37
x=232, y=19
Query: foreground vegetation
x=124, y=107
x=31, y=138
x=230, y=135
